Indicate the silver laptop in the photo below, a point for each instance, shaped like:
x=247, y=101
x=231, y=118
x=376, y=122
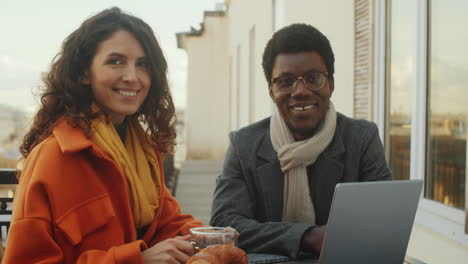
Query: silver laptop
x=370, y=222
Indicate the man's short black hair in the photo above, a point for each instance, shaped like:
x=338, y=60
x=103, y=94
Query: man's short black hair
x=297, y=38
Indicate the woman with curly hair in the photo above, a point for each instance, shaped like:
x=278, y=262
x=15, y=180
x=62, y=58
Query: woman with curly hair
x=92, y=187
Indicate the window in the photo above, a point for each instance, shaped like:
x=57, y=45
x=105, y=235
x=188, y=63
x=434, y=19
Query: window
x=238, y=86
x=447, y=102
x=252, y=74
x=425, y=110
x=401, y=30
x=446, y=110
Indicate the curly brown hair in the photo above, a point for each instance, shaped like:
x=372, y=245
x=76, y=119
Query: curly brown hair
x=65, y=96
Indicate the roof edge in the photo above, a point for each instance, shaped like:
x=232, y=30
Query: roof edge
x=197, y=32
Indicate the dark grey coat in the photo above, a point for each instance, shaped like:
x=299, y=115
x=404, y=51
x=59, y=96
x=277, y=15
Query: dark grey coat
x=249, y=192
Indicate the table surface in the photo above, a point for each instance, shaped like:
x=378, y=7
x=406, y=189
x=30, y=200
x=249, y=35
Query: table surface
x=278, y=259
x=303, y=261
x=408, y=260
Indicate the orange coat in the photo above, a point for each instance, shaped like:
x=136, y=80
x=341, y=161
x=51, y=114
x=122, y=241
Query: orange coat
x=72, y=206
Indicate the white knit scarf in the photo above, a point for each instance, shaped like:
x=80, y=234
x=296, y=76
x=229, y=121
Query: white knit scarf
x=294, y=157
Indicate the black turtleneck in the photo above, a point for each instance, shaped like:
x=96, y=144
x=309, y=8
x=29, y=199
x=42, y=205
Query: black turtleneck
x=121, y=128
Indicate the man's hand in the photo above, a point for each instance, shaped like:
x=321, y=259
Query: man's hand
x=313, y=238
x=170, y=251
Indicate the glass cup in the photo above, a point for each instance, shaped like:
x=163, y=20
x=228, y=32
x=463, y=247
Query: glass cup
x=203, y=237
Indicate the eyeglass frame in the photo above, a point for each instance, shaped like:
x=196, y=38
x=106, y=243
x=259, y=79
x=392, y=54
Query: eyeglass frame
x=301, y=77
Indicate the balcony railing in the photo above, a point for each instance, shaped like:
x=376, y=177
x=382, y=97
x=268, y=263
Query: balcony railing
x=8, y=185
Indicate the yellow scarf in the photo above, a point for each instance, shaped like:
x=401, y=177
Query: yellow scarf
x=138, y=162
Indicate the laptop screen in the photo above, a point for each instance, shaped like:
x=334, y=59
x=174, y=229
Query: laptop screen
x=371, y=222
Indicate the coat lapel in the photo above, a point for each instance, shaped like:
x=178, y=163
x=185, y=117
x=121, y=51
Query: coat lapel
x=270, y=179
x=328, y=170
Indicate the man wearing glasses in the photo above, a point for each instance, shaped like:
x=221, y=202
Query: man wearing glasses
x=279, y=174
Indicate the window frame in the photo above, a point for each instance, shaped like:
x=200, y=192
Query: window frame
x=436, y=216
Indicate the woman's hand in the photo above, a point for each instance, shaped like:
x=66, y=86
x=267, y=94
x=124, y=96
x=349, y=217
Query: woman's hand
x=170, y=251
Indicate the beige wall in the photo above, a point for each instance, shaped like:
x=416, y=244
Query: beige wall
x=207, y=110
x=249, y=22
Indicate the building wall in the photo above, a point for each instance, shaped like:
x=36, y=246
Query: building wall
x=363, y=59
x=250, y=27
x=207, y=111
x=335, y=19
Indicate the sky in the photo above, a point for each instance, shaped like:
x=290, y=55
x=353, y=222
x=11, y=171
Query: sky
x=33, y=31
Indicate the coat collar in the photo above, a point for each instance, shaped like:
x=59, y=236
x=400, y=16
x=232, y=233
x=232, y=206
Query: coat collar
x=336, y=146
x=266, y=150
x=70, y=138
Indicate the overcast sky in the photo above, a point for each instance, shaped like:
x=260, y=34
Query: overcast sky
x=33, y=31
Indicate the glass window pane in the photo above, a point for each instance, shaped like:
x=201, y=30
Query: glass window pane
x=447, y=102
x=401, y=80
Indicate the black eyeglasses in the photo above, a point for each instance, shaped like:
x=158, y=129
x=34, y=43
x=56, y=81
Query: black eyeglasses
x=311, y=80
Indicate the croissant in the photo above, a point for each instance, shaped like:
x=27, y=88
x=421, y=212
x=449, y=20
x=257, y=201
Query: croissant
x=219, y=254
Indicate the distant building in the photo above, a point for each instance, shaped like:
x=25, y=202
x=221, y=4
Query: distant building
x=402, y=64
x=7, y=124
x=13, y=123
x=181, y=148
x=207, y=113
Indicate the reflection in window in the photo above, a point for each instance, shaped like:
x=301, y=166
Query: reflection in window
x=401, y=80
x=447, y=102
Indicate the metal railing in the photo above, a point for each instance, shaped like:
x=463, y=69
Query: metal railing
x=7, y=177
